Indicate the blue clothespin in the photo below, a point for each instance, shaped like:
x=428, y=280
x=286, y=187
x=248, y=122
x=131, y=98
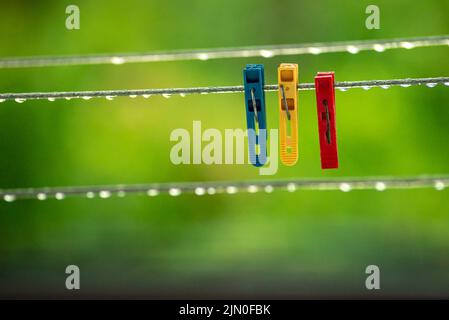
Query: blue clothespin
x=254, y=82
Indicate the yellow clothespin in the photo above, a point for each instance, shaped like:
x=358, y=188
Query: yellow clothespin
x=288, y=112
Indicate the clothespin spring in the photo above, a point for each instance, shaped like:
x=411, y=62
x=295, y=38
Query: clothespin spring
x=285, y=102
x=256, y=117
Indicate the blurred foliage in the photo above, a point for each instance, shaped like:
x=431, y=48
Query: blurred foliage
x=279, y=245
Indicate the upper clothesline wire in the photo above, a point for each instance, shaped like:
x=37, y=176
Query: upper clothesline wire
x=267, y=51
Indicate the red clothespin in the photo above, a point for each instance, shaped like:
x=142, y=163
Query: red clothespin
x=325, y=98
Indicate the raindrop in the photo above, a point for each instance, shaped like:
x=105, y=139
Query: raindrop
x=41, y=196
x=405, y=85
x=203, y=56
x=345, y=187
x=87, y=97
x=439, y=185
x=211, y=190
x=352, y=49
x=146, y=96
x=253, y=189
x=266, y=53
x=431, y=85
x=9, y=197
x=315, y=50
x=268, y=189
x=366, y=87
x=407, y=45
x=2, y=100
x=104, y=194
x=174, y=192
x=291, y=187
x=182, y=94
x=117, y=60
x=20, y=100
x=152, y=192
x=231, y=189
x=200, y=191
x=385, y=86
x=90, y=195
x=446, y=84
x=166, y=95
x=68, y=98
x=110, y=98
x=343, y=89
x=380, y=186
x=133, y=96
x=51, y=99
x=121, y=193
x=379, y=48
x=59, y=195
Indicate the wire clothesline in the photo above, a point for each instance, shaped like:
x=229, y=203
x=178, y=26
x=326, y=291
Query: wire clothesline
x=439, y=182
x=267, y=51
x=168, y=92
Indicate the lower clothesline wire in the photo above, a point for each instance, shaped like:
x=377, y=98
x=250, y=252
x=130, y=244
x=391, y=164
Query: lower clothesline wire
x=168, y=92
x=439, y=182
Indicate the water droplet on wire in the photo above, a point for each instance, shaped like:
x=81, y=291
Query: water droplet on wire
x=152, y=192
x=9, y=197
x=200, y=191
x=345, y=187
x=291, y=187
x=380, y=186
x=439, y=185
x=41, y=196
x=174, y=192
x=117, y=60
x=59, y=196
x=379, y=48
x=266, y=53
x=104, y=194
x=203, y=56
x=90, y=195
x=253, y=189
x=231, y=190
x=407, y=45
x=352, y=49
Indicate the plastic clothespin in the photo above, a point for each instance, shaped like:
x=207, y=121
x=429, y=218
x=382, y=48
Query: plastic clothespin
x=325, y=98
x=288, y=112
x=254, y=82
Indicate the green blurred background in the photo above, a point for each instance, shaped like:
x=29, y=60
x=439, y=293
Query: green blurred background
x=282, y=245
